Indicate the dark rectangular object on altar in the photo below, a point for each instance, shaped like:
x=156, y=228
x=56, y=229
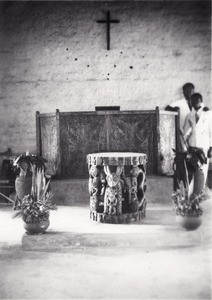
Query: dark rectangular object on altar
x=103, y=108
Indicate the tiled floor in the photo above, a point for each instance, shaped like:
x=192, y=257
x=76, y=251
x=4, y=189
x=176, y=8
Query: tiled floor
x=154, y=259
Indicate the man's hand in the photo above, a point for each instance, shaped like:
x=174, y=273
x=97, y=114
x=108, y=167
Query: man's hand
x=206, y=108
x=210, y=152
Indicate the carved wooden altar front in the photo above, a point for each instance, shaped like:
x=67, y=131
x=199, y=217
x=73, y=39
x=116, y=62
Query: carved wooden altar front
x=117, y=184
x=66, y=138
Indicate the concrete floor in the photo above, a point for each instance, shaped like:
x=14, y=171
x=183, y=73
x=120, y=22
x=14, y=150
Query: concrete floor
x=162, y=261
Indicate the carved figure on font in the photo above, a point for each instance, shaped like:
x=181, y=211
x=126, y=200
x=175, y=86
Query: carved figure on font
x=94, y=184
x=113, y=193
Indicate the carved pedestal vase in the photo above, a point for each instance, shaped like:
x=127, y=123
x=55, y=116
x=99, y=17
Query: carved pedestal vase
x=23, y=186
x=189, y=222
x=36, y=228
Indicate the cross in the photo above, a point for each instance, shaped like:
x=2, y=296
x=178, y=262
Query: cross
x=108, y=21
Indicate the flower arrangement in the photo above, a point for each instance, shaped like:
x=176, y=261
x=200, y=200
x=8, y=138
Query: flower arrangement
x=187, y=165
x=188, y=207
x=36, y=206
x=33, y=211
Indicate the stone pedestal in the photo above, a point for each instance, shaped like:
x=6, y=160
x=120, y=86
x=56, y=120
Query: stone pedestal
x=117, y=184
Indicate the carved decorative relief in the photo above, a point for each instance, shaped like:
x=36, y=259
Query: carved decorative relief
x=49, y=142
x=84, y=133
x=115, y=198
x=113, y=193
x=79, y=135
x=167, y=143
x=134, y=133
x=94, y=187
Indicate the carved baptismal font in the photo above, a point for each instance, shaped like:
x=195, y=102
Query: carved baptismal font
x=117, y=184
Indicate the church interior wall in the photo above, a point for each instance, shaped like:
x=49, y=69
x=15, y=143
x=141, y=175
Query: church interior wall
x=53, y=55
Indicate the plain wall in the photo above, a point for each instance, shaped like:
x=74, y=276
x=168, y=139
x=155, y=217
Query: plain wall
x=54, y=55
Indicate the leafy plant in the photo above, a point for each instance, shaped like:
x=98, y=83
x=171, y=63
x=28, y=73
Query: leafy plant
x=185, y=165
x=187, y=206
x=184, y=207
x=24, y=162
x=35, y=211
x=36, y=206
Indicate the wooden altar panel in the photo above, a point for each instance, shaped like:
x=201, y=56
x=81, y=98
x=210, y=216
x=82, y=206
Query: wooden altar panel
x=65, y=139
x=167, y=138
x=80, y=134
x=49, y=147
x=134, y=133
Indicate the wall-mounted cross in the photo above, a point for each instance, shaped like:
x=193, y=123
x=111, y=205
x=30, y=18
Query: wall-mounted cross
x=108, y=22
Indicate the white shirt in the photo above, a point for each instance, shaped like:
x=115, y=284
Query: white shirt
x=184, y=110
x=199, y=134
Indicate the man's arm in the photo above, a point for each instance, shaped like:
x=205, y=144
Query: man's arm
x=187, y=127
x=210, y=135
x=210, y=152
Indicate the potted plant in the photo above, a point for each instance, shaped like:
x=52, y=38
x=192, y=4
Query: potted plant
x=23, y=182
x=35, y=207
x=188, y=210
x=187, y=167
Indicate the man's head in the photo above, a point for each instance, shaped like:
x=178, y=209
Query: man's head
x=188, y=90
x=196, y=101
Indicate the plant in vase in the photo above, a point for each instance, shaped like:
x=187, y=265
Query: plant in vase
x=35, y=207
x=23, y=182
x=187, y=209
x=187, y=197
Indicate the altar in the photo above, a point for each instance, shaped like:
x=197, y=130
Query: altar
x=66, y=138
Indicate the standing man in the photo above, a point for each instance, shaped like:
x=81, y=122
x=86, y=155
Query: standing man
x=198, y=131
x=185, y=107
x=183, y=104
